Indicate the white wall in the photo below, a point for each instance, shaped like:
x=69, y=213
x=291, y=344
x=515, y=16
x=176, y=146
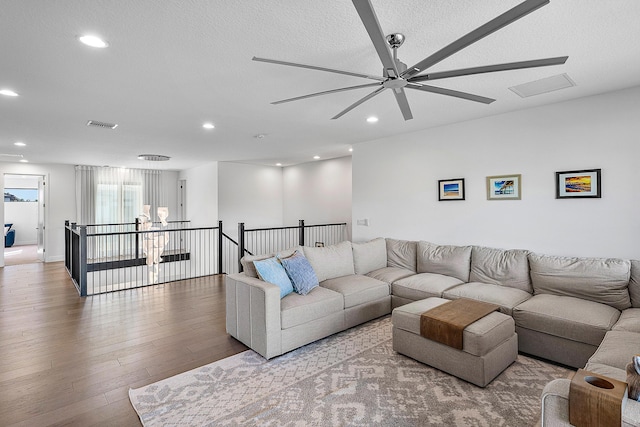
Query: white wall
x=60, y=199
x=251, y=194
x=318, y=192
x=395, y=180
x=201, y=195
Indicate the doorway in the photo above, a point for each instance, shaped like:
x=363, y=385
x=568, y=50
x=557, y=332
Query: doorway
x=24, y=215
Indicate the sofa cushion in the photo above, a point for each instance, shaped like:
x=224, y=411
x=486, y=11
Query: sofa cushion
x=390, y=274
x=453, y=261
x=629, y=321
x=401, y=254
x=634, y=283
x=296, y=309
x=369, y=256
x=505, y=297
x=501, y=267
x=270, y=270
x=595, y=279
x=331, y=261
x=299, y=270
x=566, y=317
x=423, y=285
x=617, y=349
x=357, y=289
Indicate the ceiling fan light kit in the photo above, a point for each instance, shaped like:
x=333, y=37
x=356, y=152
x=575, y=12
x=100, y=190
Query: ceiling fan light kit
x=397, y=76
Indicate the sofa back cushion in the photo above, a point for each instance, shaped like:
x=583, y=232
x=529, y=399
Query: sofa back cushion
x=595, y=279
x=369, y=256
x=332, y=261
x=402, y=254
x=453, y=261
x=634, y=283
x=501, y=267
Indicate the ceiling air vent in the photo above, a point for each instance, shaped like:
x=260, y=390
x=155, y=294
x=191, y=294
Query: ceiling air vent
x=546, y=85
x=153, y=157
x=102, y=124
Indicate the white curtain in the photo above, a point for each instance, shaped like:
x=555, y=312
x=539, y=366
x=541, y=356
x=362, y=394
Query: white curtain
x=107, y=195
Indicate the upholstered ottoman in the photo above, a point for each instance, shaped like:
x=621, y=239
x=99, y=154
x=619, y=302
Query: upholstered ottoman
x=490, y=344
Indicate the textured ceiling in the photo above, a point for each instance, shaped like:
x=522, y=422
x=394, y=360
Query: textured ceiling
x=172, y=65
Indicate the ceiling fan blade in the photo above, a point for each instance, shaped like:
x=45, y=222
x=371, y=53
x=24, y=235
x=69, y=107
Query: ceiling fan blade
x=491, y=68
x=313, y=67
x=451, y=92
x=490, y=27
x=358, y=102
x=401, y=98
x=372, y=25
x=326, y=92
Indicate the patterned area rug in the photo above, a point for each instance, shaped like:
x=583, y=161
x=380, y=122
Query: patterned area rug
x=352, y=378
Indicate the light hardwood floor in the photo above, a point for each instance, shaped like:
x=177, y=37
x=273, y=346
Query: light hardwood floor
x=66, y=360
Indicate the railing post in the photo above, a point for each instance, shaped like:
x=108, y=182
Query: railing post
x=220, y=247
x=83, y=261
x=137, y=238
x=67, y=245
x=240, y=244
x=301, y=232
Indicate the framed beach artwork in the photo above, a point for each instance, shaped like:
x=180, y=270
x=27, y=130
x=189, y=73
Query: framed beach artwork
x=578, y=184
x=451, y=189
x=504, y=187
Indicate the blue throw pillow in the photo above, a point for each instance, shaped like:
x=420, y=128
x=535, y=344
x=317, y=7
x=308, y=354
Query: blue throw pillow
x=270, y=270
x=300, y=272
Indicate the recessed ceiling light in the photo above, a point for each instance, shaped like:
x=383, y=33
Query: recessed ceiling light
x=93, y=41
x=208, y=126
x=259, y=136
x=316, y=157
x=8, y=92
x=350, y=150
x=278, y=164
x=19, y=144
x=372, y=119
x=24, y=161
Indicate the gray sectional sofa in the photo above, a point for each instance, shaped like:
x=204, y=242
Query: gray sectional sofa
x=580, y=312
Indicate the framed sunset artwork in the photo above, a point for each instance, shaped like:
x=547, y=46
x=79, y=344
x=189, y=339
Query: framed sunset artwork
x=578, y=184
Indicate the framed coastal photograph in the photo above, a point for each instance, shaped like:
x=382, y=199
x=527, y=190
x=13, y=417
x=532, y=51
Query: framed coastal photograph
x=504, y=187
x=578, y=184
x=451, y=189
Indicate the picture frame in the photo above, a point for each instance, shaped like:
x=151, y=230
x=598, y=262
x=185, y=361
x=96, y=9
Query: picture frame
x=579, y=184
x=504, y=187
x=451, y=189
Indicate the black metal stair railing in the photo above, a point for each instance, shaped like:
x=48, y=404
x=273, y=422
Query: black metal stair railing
x=274, y=239
x=103, y=258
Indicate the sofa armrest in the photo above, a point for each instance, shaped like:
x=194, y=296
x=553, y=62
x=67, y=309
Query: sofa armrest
x=253, y=313
x=555, y=406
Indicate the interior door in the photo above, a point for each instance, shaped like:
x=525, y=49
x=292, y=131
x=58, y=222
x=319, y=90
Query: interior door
x=41, y=228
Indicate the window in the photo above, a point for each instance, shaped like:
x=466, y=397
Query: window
x=20, y=194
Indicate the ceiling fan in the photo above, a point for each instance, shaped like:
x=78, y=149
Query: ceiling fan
x=397, y=76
